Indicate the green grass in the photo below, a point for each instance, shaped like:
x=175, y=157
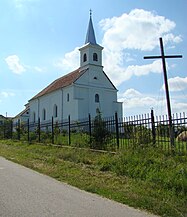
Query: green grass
x=81, y=139
x=144, y=178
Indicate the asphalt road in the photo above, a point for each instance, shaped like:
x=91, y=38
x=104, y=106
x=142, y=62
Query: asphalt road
x=26, y=193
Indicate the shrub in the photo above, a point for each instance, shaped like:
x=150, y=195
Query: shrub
x=128, y=130
x=100, y=134
x=163, y=130
x=142, y=135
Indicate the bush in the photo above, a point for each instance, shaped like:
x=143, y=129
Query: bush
x=100, y=134
x=142, y=135
x=128, y=130
x=6, y=129
x=163, y=130
x=33, y=136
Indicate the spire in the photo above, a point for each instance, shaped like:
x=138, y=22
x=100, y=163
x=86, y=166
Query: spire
x=90, y=36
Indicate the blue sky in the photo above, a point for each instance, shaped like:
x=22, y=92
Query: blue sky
x=39, y=41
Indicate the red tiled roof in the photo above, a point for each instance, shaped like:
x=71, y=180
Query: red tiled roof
x=61, y=82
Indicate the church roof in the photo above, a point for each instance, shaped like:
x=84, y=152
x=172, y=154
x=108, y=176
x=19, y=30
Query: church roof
x=64, y=81
x=90, y=36
x=61, y=82
x=22, y=112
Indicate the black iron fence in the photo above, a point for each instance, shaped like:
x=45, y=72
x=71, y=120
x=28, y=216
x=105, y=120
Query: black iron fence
x=109, y=133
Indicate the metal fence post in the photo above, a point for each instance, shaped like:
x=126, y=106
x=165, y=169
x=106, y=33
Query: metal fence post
x=52, y=131
x=69, y=131
x=11, y=129
x=90, y=128
x=4, y=129
x=117, y=129
x=28, y=136
x=38, y=129
x=153, y=127
x=19, y=129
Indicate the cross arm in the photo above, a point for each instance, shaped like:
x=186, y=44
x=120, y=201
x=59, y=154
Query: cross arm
x=159, y=57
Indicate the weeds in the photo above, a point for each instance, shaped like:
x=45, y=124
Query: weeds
x=145, y=178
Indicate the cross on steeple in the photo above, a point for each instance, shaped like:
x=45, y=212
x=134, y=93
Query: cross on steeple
x=163, y=57
x=90, y=36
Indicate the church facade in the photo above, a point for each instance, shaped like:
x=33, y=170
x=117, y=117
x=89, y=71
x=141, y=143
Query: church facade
x=80, y=92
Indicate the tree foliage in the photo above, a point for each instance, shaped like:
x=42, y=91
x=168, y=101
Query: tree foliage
x=100, y=133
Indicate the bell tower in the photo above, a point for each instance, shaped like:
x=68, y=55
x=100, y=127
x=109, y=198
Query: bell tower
x=91, y=52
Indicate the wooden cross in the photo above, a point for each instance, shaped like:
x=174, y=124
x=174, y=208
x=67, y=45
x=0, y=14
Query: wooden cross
x=163, y=57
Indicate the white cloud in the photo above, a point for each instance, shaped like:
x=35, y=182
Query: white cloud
x=70, y=61
x=14, y=64
x=139, y=29
x=17, y=67
x=135, y=101
x=179, y=107
x=171, y=38
x=137, y=70
x=118, y=74
x=5, y=95
x=177, y=84
x=38, y=69
x=131, y=93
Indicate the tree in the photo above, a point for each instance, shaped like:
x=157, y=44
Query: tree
x=100, y=134
x=6, y=129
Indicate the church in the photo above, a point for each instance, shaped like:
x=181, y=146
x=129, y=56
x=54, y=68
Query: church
x=79, y=93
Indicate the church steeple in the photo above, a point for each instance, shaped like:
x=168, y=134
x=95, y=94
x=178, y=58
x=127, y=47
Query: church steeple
x=91, y=52
x=90, y=36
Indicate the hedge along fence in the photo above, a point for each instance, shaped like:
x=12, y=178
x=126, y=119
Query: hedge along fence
x=109, y=133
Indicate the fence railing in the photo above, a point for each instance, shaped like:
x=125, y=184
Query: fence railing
x=109, y=133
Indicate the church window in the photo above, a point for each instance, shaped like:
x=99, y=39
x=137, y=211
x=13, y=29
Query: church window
x=55, y=111
x=68, y=97
x=95, y=57
x=96, y=97
x=84, y=57
x=44, y=114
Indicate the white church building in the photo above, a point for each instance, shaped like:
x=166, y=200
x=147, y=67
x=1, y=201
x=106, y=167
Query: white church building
x=80, y=92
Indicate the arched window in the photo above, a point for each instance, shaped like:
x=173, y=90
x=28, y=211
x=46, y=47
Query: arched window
x=55, y=111
x=34, y=117
x=96, y=97
x=68, y=97
x=84, y=57
x=44, y=114
x=95, y=57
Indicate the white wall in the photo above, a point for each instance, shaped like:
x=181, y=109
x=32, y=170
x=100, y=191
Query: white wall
x=107, y=104
x=33, y=104
x=70, y=107
x=89, y=50
x=47, y=102
x=94, y=82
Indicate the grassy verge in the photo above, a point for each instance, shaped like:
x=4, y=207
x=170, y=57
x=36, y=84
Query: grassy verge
x=143, y=178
